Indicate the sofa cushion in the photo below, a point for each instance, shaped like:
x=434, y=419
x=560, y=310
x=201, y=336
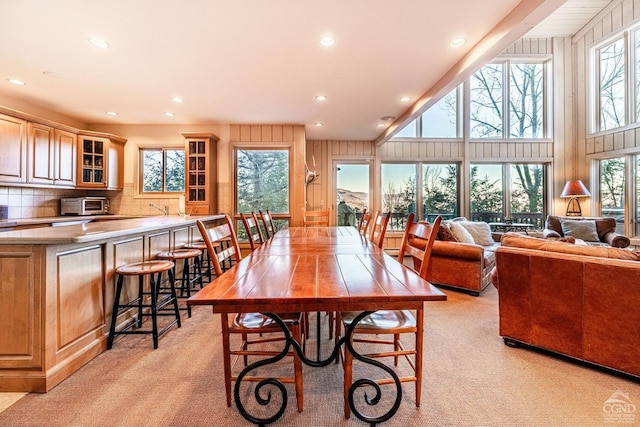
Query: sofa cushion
x=581, y=229
x=461, y=234
x=480, y=232
x=445, y=234
x=528, y=242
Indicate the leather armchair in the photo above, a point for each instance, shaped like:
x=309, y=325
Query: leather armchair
x=606, y=228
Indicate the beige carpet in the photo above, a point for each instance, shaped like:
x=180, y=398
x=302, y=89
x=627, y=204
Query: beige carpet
x=471, y=379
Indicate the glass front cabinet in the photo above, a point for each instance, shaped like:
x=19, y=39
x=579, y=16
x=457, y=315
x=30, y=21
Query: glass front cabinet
x=100, y=162
x=200, y=170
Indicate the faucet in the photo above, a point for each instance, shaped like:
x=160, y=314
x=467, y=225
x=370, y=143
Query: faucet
x=163, y=209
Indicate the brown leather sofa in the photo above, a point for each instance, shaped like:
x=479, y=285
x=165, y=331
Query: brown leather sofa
x=605, y=227
x=464, y=266
x=579, y=301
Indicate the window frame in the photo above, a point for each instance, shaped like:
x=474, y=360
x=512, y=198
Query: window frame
x=141, y=170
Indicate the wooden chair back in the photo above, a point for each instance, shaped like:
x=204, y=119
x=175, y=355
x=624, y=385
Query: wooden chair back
x=223, y=236
x=316, y=218
x=363, y=225
x=379, y=228
x=254, y=234
x=418, y=242
x=267, y=222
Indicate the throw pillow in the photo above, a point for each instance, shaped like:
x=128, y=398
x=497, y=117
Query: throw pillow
x=480, y=232
x=445, y=234
x=580, y=229
x=461, y=234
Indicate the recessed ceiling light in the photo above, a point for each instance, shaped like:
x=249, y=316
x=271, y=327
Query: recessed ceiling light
x=102, y=44
x=387, y=118
x=321, y=98
x=16, y=82
x=177, y=99
x=318, y=124
x=112, y=113
x=381, y=125
x=327, y=41
x=457, y=42
x=405, y=99
x=52, y=74
x=169, y=114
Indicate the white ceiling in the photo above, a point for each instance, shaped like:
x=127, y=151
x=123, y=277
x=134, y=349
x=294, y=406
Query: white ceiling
x=248, y=61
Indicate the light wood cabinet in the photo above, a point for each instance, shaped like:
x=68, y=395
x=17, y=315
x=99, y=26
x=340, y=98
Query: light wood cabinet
x=201, y=173
x=65, y=147
x=51, y=156
x=13, y=149
x=100, y=161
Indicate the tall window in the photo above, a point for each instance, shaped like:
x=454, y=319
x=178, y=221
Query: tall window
x=611, y=85
x=486, y=102
x=352, y=192
x=637, y=197
x=527, y=191
x=162, y=170
x=612, y=185
x=262, y=181
x=526, y=100
x=398, y=192
x=486, y=193
x=439, y=191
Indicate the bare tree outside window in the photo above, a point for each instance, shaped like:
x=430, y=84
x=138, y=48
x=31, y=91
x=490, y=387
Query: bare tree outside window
x=611, y=79
x=526, y=100
x=526, y=190
x=486, y=193
x=398, y=192
x=262, y=181
x=439, y=190
x=486, y=102
x=162, y=170
x=612, y=183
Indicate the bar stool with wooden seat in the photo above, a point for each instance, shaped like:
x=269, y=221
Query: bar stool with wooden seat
x=245, y=324
x=160, y=301
x=191, y=272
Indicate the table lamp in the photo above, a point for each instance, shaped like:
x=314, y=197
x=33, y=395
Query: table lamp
x=573, y=190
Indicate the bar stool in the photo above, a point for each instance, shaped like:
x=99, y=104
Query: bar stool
x=205, y=263
x=191, y=273
x=156, y=303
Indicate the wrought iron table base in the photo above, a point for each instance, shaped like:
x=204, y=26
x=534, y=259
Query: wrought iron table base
x=264, y=400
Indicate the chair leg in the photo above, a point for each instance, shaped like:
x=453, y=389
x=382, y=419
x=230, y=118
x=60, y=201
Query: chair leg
x=331, y=315
x=114, y=313
x=226, y=352
x=348, y=378
x=396, y=347
x=297, y=367
x=419, y=343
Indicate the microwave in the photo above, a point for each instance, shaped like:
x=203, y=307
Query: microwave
x=84, y=206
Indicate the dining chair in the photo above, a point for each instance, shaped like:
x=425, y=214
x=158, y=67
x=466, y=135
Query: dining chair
x=379, y=229
x=246, y=324
x=363, y=225
x=417, y=242
x=267, y=223
x=253, y=230
x=317, y=218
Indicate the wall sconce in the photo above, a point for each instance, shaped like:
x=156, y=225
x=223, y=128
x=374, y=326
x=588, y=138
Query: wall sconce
x=573, y=190
x=310, y=175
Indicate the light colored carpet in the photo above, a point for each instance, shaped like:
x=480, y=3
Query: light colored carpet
x=470, y=379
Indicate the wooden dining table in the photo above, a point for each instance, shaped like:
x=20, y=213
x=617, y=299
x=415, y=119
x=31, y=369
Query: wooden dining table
x=317, y=269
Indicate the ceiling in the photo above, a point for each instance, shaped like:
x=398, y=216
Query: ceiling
x=252, y=61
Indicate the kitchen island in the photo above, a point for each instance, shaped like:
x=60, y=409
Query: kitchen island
x=57, y=287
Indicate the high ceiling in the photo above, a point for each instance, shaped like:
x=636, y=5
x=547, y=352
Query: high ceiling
x=250, y=61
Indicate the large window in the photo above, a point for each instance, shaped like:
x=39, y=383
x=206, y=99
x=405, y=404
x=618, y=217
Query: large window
x=486, y=102
x=514, y=191
x=441, y=120
x=262, y=181
x=162, y=170
x=352, y=192
x=611, y=84
x=637, y=196
x=612, y=187
x=398, y=192
x=526, y=100
x=439, y=191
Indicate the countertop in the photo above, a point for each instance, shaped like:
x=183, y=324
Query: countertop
x=95, y=230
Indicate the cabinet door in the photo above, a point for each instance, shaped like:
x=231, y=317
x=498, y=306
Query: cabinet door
x=115, y=166
x=41, y=154
x=93, y=161
x=65, y=158
x=13, y=149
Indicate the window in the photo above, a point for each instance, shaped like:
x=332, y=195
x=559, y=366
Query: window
x=637, y=197
x=162, y=170
x=611, y=194
x=611, y=85
x=262, y=181
x=486, y=102
x=398, y=193
x=526, y=100
x=409, y=131
x=441, y=120
x=439, y=191
x=508, y=191
x=352, y=192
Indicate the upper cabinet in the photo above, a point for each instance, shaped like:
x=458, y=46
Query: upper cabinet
x=51, y=155
x=65, y=147
x=101, y=161
x=13, y=149
x=201, y=173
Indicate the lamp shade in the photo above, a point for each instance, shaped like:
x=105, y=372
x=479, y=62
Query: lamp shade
x=575, y=189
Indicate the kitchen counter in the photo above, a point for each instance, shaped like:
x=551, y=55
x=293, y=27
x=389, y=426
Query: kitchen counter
x=58, y=289
x=99, y=227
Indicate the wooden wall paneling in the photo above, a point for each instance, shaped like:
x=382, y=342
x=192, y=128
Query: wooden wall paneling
x=80, y=296
x=597, y=30
x=276, y=134
x=636, y=140
x=245, y=133
x=618, y=140
x=287, y=133
x=266, y=133
x=234, y=133
x=608, y=142
x=415, y=150
x=20, y=308
x=606, y=25
x=628, y=138
x=591, y=146
x=598, y=144
x=255, y=132
x=627, y=12
x=431, y=150
x=617, y=17
x=636, y=9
